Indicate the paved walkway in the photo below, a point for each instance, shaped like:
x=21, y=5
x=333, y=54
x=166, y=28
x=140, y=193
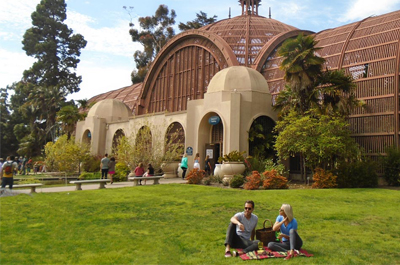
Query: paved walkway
x=115, y=185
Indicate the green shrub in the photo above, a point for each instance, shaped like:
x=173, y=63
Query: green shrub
x=237, y=181
x=121, y=172
x=391, y=166
x=92, y=164
x=216, y=179
x=359, y=174
x=207, y=181
x=280, y=168
x=254, y=163
x=28, y=181
x=88, y=175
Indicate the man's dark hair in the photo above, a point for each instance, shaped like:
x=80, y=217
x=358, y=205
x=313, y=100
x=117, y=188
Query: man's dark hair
x=250, y=202
x=12, y=158
x=106, y=155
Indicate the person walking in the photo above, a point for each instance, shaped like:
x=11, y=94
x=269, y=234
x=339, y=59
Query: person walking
x=104, y=166
x=184, y=165
x=197, y=161
x=8, y=170
x=111, y=168
x=207, y=166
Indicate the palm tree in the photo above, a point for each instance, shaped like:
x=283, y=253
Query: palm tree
x=302, y=68
x=68, y=116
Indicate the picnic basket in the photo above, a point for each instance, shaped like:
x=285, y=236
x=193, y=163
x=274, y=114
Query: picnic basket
x=266, y=234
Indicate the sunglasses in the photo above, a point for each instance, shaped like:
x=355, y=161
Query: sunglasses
x=248, y=208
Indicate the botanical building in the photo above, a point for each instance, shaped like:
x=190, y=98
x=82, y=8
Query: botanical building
x=214, y=82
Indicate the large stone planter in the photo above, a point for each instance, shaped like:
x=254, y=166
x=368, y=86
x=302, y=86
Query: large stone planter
x=217, y=170
x=229, y=169
x=169, y=169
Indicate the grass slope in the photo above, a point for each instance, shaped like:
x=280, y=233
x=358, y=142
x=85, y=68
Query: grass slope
x=186, y=224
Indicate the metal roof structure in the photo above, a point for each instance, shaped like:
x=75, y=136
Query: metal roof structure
x=369, y=50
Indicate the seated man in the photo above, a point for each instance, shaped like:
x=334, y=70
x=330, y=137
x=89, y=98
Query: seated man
x=240, y=230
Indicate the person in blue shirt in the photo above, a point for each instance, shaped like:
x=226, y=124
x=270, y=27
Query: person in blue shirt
x=290, y=239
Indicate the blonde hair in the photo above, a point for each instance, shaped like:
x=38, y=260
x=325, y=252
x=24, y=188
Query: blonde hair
x=207, y=157
x=288, y=211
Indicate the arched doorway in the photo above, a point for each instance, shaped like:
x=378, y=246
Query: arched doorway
x=211, y=137
x=174, y=141
x=117, y=136
x=262, y=138
x=87, y=137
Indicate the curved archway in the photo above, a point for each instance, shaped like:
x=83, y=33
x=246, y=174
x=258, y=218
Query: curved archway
x=211, y=137
x=174, y=141
x=87, y=137
x=117, y=136
x=262, y=138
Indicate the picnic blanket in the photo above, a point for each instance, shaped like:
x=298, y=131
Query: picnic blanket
x=271, y=254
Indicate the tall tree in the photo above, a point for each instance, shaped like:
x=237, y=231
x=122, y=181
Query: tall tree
x=51, y=77
x=155, y=32
x=200, y=21
x=55, y=47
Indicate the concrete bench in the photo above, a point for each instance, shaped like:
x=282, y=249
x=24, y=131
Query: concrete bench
x=32, y=186
x=79, y=183
x=154, y=178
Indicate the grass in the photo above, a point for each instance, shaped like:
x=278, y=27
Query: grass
x=186, y=224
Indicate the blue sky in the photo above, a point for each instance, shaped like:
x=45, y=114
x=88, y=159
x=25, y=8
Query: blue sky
x=107, y=61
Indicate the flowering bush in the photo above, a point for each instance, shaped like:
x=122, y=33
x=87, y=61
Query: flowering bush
x=323, y=179
x=195, y=176
x=253, y=182
x=273, y=180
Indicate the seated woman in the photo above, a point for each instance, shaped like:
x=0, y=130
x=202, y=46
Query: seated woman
x=290, y=240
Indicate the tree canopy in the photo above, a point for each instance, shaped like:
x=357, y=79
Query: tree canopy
x=200, y=21
x=155, y=32
x=45, y=85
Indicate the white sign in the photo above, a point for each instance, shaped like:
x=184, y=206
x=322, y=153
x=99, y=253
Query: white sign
x=209, y=153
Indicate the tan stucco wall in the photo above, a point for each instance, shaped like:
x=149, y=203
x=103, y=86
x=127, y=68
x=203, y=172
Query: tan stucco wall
x=237, y=109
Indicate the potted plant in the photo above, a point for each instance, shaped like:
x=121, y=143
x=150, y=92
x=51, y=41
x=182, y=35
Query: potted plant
x=232, y=164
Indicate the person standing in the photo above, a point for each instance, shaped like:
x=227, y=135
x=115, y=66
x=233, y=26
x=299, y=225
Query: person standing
x=139, y=171
x=8, y=170
x=197, y=161
x=111, y=169
x=241, y=231
x=184, y=165
x=1, y=167
x=24, y=162
x=207, y=166
x=290, y=240
x=104, y=166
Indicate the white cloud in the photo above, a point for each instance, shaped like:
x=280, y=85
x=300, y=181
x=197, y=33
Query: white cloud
x=113, y=40
x=101, y=79
x=12, y=66
x=361, y=9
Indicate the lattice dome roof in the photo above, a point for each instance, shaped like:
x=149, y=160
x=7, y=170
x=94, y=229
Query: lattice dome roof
x=248, y=33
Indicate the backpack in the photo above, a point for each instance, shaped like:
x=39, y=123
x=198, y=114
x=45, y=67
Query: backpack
x=8, y=168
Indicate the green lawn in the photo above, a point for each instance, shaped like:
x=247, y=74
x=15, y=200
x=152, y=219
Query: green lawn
x=186, y=224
